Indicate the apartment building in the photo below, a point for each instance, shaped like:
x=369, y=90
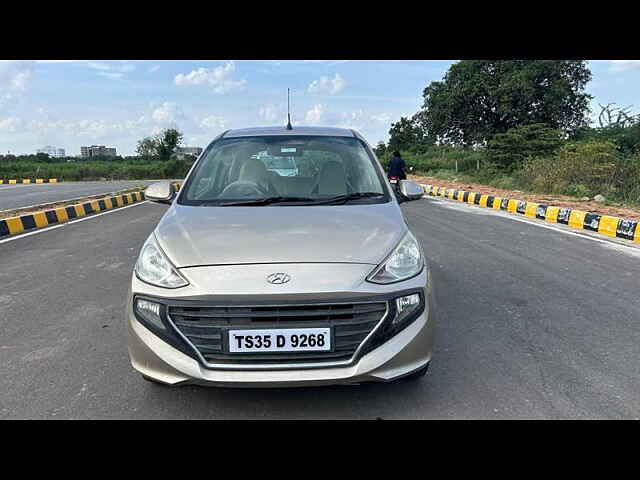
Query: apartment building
x=97, y=151
x=52, y=151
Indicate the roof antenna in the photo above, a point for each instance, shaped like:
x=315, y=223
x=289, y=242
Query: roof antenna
x=289, y=127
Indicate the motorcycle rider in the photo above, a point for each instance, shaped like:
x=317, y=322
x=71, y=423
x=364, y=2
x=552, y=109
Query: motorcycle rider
x=396, y=167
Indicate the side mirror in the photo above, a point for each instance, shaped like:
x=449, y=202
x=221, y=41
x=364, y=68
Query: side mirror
x=411, y=190
x=161, y=192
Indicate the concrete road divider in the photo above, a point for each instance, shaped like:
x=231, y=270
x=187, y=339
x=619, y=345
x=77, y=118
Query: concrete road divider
x=52, y=216
x=28, y=180
x=45, y=218
x=603, y=224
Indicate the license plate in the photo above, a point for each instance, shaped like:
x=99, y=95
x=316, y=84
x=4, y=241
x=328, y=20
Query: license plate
x=280, y=340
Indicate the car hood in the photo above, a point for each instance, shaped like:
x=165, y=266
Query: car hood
x=193, y=236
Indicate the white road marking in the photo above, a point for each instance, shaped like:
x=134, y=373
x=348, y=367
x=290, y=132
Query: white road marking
x=462, y=206
x=46, y=229
x=22, y=235
x=609, y=242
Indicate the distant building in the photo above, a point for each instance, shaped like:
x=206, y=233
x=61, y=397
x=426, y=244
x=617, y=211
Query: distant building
x=181, y=152
x=97, y=151
x=52, y=151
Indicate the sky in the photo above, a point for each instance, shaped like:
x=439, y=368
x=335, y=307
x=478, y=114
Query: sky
x=71, y=103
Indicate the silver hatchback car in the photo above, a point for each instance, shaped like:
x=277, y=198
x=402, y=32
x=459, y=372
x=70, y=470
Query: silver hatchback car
x=257, y=279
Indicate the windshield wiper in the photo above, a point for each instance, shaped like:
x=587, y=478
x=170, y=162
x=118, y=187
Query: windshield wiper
x=351, y=196
x=266, y=201
x=306, y=200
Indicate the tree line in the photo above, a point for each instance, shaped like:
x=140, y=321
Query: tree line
x=525, y=123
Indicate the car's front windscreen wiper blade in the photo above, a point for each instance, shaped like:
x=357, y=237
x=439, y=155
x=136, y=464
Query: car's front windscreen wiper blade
x=265, y=201
x=302, y=200
x=351, y=196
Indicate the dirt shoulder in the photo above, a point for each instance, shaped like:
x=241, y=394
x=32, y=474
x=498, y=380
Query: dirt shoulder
x=556, y=200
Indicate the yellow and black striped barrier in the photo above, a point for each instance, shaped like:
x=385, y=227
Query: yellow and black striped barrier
x=28, y=180
x=45, y=218
x=604, y=224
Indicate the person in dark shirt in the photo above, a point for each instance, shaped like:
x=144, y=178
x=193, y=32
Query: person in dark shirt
x=397, y=166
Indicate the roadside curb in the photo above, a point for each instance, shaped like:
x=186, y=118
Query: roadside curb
x=28, y=180
x=45, y=218
x=594, y=222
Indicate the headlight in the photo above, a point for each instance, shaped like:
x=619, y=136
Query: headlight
x=404, y=262
x=154, y=268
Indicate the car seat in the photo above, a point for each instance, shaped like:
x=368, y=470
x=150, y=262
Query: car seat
x=331, y=180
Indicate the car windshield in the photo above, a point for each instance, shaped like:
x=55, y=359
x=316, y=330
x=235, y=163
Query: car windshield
x=285, y=170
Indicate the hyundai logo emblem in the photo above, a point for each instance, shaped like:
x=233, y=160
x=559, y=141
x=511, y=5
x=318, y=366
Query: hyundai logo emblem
x=278, y=278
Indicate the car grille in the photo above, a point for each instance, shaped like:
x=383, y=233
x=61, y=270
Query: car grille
x=205, y=327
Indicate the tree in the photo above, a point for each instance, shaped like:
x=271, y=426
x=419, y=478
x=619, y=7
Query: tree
x=167, y=141
x=510, y=149
x=611, y=116
x=147, y=148
x=406, y=133
x=380, y=149
x=478, y=99
x=626, y=139
x=162, y=145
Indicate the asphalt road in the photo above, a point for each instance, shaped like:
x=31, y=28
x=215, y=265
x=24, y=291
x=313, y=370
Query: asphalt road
x=534, y=323
x=14, y=196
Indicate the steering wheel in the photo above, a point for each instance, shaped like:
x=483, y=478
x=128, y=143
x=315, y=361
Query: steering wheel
x=243, y=188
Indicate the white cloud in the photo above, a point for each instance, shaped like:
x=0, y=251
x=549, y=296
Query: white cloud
x=113, y=67
x=351, y=119
x=19, y=80
x=11, y=124
x=14, y=78
x=112, y=75
x=219, y=79
x=213, y=122
x=382, y=118
x=113, y=71
x=123, y=133
x=168, y=112
x=327, y=85
x=90, y=130
x=59, y=61
x=328, y=62
x=315, y=114
x=154, y=69
x=618, y=66
x=269, y=112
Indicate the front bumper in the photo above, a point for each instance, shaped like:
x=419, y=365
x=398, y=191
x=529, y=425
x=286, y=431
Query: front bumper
x=407, y=351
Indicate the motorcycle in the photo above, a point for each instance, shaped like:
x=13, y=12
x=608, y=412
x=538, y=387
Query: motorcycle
x=395, y=184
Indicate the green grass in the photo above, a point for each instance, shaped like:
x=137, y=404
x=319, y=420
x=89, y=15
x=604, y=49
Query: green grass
x=76, y=171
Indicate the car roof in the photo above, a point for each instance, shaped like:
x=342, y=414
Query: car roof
x=281, y=130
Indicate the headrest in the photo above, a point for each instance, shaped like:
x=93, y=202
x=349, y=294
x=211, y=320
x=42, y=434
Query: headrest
x=253, y=170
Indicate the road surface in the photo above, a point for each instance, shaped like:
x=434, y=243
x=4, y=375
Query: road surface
x=533, y=323
x=14, y=196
